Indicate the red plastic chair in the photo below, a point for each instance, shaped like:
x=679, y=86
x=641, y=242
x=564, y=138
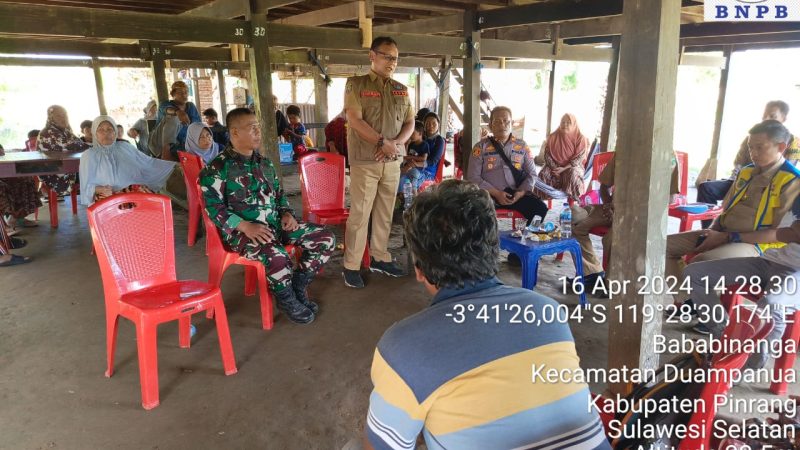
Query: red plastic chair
x=322, y=183
x=731, y=299
x=688, y=219
x=134, y=240
x=219, y=259
x=192, y=165
x=747, y=326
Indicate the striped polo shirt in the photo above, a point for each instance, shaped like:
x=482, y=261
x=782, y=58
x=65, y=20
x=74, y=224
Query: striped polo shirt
x=469, y=385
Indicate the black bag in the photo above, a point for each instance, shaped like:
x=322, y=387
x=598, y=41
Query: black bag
x=519, y=175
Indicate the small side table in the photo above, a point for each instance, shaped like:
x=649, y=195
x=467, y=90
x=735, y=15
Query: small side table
x=530, y=251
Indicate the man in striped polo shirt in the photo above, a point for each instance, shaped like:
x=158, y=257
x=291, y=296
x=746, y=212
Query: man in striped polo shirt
x=466, y=382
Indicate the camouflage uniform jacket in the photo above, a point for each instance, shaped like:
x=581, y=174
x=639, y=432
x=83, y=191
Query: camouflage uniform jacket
x=237, y=188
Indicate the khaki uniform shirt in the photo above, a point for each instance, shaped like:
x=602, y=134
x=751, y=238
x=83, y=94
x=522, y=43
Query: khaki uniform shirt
x=384, y=105
x=606, y=177
x=742, y=215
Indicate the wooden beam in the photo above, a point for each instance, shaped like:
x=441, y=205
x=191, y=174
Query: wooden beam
x=362, y=59
x=365, y=23
x=220, y=9
x=441, y=24
x=553, y=11
x=104, y=23
x=608, y=128
x=324, y=16
x=648, y=74
x=456, y=109
x=701, y=60
x=261, y=87
x=422, y=5
x=600, y=26
x=160, y=80
x=67, y=48
x=262, y=6
x=320, y=104
x=743, y=39
x=443, y=85
x=721, y=97
x=98, y=84
x=223, y=97
x=472, y=85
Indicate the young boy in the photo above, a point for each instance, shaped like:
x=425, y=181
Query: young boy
x=296, y=133
x=218, y=131
x=414, y=161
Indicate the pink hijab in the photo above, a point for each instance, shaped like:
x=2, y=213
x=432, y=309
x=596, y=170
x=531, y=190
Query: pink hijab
x=567, y=146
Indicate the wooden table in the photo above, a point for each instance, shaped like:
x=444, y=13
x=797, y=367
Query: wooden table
x=27, y=164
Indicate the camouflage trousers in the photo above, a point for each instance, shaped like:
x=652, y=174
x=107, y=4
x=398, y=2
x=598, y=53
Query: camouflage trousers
x=315, y=244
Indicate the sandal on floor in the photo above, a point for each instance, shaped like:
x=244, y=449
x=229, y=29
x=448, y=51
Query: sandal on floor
x=16, y=260
x=17, y=243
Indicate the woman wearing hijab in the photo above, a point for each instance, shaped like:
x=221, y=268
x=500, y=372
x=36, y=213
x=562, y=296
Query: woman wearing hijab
x=139, y=130
x=200, y=141
x=112, y=166
x=57, y=136
x=564, y=158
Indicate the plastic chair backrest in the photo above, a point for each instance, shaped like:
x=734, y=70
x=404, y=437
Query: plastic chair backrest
x=192, y=165
x=683, y=171
x=440, y=169
x=322, y=181
x=213, y=240
x=600, y=162
x=133, y=237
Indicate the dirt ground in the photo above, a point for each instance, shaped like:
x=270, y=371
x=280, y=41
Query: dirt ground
x=298, y=387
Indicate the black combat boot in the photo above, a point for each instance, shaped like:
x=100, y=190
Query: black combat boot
x=300, y=282
x=294, y=310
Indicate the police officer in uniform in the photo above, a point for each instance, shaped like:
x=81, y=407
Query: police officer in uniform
x=380, y=120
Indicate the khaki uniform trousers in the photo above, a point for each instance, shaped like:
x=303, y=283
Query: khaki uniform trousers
x=591, y=263
x=373, y=189
x=681, y=244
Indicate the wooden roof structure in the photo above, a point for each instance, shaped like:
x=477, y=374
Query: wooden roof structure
x=646, y=37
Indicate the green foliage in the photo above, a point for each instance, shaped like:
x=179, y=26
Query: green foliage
x=570, y=82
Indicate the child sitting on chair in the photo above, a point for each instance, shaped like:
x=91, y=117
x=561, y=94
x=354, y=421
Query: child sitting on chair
x=414, y=161
x=296, y=132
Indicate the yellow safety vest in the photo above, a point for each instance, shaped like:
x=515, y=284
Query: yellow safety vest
x=770, y=200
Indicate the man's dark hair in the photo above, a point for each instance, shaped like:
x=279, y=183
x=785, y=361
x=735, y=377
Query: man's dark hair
x=782, y=106
x=774, y=130
x=33, y=133
x=498, y=109
x=419, y=127
x=381, y=40
x=451, y=230
x=210, y=112
x=86, y=124
x=422, y=113
x=236, y=114
x=293, y=110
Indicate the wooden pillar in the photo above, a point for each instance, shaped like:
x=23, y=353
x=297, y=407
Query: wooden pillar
x=223, y=102
x=417, y=90
x=98, y=84
x=550, y=94
x=294, y=90
x=320, y=104
x=608, y=129
x=160, y=79
x=648, y=73
x=261, y=87
x=472, y=86
x=444, y=96
x=723, y=88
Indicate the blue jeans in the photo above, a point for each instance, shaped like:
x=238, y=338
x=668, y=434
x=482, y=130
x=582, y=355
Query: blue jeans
x=415, y=175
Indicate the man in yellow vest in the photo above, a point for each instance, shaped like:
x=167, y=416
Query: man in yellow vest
x=761, y=195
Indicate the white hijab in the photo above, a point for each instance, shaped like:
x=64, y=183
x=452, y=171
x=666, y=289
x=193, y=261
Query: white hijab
x=119, y=165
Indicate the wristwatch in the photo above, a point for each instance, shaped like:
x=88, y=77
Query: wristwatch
x=380, y=142
x=734, y=237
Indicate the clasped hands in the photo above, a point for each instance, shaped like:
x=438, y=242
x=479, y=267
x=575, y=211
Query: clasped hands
x=390, y=150
x=263, y=234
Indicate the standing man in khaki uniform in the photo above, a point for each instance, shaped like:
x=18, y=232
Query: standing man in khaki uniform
x=380, y=120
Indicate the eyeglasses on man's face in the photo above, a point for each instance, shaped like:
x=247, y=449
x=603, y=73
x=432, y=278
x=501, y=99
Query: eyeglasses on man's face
x=387, y=56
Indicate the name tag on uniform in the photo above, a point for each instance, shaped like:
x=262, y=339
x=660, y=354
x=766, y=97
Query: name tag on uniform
x=370, y=94
x=400, y=93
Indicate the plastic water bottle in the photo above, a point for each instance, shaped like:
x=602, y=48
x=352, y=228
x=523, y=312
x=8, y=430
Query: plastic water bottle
x=565, y=220
x=408, y=194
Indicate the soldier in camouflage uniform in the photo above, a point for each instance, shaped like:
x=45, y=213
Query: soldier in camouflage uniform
x=244, y=199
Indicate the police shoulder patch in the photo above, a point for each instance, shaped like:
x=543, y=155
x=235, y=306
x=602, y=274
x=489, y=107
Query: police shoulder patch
x=476, y=151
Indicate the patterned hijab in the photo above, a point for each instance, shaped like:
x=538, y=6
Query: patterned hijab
x=566, y=145
x=53, y=138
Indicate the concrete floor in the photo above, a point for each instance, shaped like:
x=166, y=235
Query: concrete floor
x=298, y=387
